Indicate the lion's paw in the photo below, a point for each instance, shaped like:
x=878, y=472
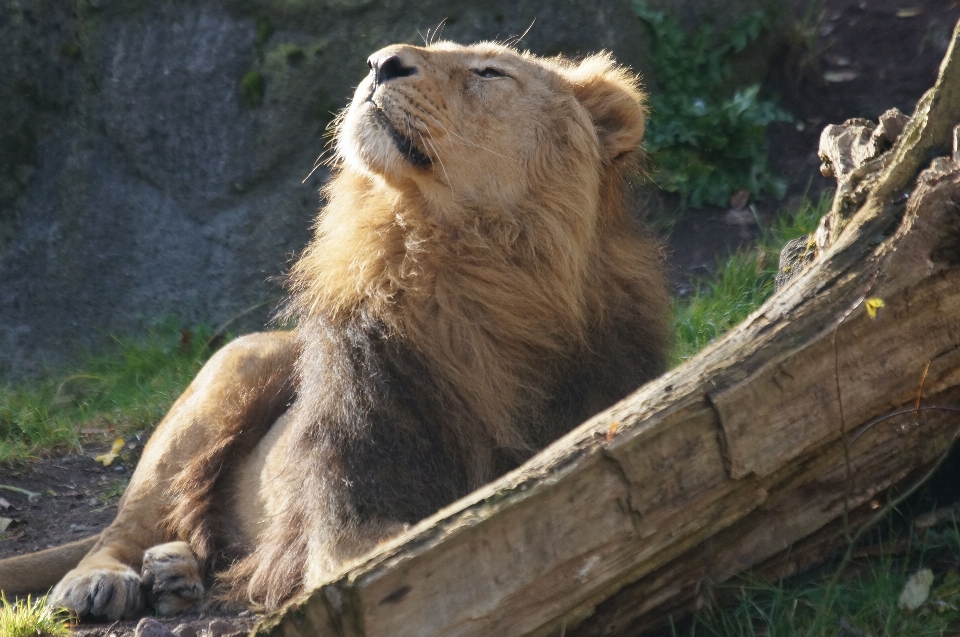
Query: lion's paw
x=108, y=592
x=171, y=578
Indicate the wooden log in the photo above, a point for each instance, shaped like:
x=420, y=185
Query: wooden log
x=764, y=439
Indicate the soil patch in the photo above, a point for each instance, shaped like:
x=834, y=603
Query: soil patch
x=75, y=496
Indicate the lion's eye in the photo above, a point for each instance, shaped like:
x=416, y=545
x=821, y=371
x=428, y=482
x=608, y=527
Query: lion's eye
x=488, y=72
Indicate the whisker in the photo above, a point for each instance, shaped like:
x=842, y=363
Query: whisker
x=316, y=164
x=513, y=41
x=436, y=152
x=463, y=141
x=437, y=31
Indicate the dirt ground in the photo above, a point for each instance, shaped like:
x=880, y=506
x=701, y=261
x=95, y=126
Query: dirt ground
x=870, y=56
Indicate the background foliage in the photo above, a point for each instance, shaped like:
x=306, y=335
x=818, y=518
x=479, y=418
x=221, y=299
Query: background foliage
x=706, y=138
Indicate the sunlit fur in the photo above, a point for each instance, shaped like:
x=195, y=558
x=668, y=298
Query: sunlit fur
x=505, y=268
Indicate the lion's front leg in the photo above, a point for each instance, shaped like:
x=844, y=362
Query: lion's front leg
x=215, y=412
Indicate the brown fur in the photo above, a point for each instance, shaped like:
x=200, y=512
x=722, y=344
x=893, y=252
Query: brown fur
x=475, y=288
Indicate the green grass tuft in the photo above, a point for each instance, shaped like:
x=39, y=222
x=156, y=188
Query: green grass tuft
x=741, y=284
x=32, y=618
x=863, y=603
x=126, y=390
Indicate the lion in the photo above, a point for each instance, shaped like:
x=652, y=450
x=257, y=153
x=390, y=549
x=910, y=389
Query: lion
x=475, y=288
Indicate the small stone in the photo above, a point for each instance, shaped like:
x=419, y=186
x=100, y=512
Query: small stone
x=224, y=628
x=185, y=630
x=149, y=627
x=743, y=217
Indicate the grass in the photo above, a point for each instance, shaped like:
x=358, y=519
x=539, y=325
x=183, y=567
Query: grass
x=863, y=603
x=125, y=390
x=741, y=283
x=31, y=618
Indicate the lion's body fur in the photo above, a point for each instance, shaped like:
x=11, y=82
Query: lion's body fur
x=460, y=306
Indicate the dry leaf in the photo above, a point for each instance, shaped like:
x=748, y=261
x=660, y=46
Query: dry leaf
x=739, y=199
x=873, y=305
x=836, y=77
x=186, y=341
x=108, y=458
x=612, y=430
x=916, y=590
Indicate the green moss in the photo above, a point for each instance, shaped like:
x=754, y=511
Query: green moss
x=70, y=50
x=264, y=31
x=325, y=108
x=252, y=88
x=320, y=47
x=298, y=75
x=293, y=54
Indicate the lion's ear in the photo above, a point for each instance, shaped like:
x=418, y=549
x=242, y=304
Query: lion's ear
x=612, y=96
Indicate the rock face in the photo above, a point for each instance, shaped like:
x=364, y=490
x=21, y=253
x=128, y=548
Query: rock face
x=152, y=153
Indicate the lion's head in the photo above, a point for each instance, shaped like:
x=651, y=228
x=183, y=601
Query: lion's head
x=484, y=126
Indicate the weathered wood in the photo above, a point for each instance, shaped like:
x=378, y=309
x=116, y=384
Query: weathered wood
x=723, y=464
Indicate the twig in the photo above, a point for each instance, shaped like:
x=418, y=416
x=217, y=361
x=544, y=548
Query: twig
x=848, y=477
x=31, y=496
x=220, y=331
x=900, y=412
x=923, y=378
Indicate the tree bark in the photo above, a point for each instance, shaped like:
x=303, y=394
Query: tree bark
x=769, y=439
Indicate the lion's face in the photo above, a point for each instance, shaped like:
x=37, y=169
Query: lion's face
x=478, y=125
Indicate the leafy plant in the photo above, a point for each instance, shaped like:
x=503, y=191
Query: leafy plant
x=706, y=139
x=31, y=618
x=742, y=282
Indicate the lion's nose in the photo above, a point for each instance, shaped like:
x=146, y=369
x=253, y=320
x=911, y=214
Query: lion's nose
x=389, y=67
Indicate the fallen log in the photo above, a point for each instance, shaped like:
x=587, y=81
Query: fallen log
x=782, y=433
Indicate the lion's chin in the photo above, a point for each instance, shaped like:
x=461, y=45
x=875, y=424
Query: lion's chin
x=404, y=145
x=370, y=143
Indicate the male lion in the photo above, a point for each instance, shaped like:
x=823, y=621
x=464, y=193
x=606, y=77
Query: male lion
x=474, y=289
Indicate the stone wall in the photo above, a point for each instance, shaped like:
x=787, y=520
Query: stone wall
x=153, y=152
